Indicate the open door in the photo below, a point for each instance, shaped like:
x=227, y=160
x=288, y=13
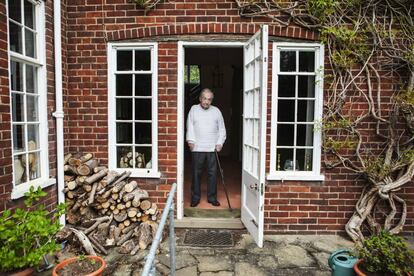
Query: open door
x=254, y=133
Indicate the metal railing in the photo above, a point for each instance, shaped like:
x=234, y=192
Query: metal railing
x=149, y=267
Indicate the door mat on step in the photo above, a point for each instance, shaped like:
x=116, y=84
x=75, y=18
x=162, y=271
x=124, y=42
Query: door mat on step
x=208, y=238
x=211, y=213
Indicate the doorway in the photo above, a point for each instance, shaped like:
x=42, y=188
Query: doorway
x=220, y=69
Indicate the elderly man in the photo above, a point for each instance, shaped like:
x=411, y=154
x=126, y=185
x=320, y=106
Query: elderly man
x=206, y=133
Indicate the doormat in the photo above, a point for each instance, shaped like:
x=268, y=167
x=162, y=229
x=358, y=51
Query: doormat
x=211, y=213
x=208, y=238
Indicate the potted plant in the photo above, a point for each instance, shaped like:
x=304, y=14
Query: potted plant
x=384, y=254
x=81, y=265
x=26, y=235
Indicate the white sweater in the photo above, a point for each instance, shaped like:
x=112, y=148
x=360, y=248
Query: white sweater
x=205, y=128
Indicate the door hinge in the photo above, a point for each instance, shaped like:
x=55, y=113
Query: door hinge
x=255, y=224
x=261, y=188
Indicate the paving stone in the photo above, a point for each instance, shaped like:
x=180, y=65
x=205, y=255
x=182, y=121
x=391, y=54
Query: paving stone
x=220, y=273
x=246, y=269
x=187, y=271
x=205, y=252
x=267, y=262
x=322, y=273
x=268, y=248
x=162, y=269
x=182, y=260
x=123, y=270
x=322, y=259
x=329, y=244
x=208, y=263
x=139, y=257
x=293, y=256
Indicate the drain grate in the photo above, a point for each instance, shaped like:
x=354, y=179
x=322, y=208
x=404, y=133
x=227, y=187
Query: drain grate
x=210, y=238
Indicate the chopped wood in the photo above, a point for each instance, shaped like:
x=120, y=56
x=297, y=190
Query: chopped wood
x=86, y=157
x=134, y=219
x=97, y=245
x=115, y=196
x=139, y=195
x=95, y=225
x=124, y=238
x=127, y=222
x=132, y=212
x=144, y=218
x=115, y=211
x=129, y=228
x=145, y=205
x=112, y=207
x=123, y=176
x=121, y=216
x=74, y=161
x=63, y=234
x=66, y=158
x=153, y=209
x=126, y=247
x=145, y=235
x=130, y=186
x=128, y=204
x=98, y=169
x=120, y=206
x=109, y=178
x=118, y=187
x=87, y=167
x=83, y=239
x=81, y=179
x=135, y=249
x=95, y=177
x=117, y=234
x=68, y=177
x=87, y=188
x=70, y=169
x=105, y=193
x=92, y=194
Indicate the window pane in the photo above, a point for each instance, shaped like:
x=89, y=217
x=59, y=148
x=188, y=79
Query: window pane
x=16, y=76
x=34, y=165
x=15, y=38
x=124, y=109
x=19, y=170
x=284, y=159
x=142, y=60
x=143, y=85
x=32, y=108
x=143, y=133
x=286, y=86
x=30, y=43
x=143, y=157
x=304, y=157
x=124, y=157
x=124, y=85
x=307, y=61
x=124, y=133
x=18, y=138
x=33, y=136
x=306, y=86
x=285, y=135
x=29, y=15
x=304, y=135
x=15, y=10
x=17, y=108
x=194, y=74
x=286, y=111
x=305, y=111
x=287, y=61
x=143, y=109
x=31, y=86
x=124, y=60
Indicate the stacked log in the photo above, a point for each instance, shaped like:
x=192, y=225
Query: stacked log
x=106, y=209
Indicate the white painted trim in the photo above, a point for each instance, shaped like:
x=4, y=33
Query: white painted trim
x=180, y=110
x=314, y=175
x=20, y=190
x=112, y=158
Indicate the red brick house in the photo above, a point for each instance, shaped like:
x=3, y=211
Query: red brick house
x=109, y=78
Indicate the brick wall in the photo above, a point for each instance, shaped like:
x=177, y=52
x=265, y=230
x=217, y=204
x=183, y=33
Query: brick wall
x=291, y=207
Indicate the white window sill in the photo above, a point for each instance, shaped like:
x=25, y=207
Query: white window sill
x=298, y=177
x=20, y=190
x=140, y=173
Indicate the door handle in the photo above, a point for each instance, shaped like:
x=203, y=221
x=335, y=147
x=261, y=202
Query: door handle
x=253, y=186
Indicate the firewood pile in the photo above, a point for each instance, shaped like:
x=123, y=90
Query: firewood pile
x=105, y=209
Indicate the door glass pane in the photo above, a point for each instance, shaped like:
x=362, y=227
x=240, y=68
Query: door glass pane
x=143, y=85
x=30, y=43
x=143, y=157
x=142, y=60
x=29, y=16
x=286, y=111
x=16, y=76
x=124, y=133
x=284, y=159
x=124, y=109
x=304, y=135
x=15, y=10
x=19, y=143
x=307, y=61
x=304, y=157
x=287, y=61
x=286, y=86
x=143, y=109
x=19, y=170
x=124, y=85
x=124, y=157
x=31, y=79
x=285, y=135
x=143, y=133
x=34, y=165
x=306, y=111
x=124, y=60
x=17, y=107
x=306, y=86
x=15, y=38
x=32, y=108
x=33, y=137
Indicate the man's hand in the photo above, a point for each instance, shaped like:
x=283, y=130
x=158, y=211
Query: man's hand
x=191, y=146
x=219, y=147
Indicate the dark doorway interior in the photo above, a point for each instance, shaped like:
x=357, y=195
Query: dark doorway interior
x=220, y=69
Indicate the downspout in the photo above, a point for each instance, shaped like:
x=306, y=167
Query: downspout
x=58, y=114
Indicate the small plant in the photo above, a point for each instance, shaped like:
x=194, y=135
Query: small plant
x=26, y=235
x=386, y=253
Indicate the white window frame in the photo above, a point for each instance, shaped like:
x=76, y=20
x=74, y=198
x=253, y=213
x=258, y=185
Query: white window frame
x=112, y=63
x=315, y=174
x=39, y=62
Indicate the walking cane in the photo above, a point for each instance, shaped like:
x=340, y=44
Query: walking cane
x=222, y=180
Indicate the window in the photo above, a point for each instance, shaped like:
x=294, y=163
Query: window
x=133, y=109
x=192, y=74
x=296, y=106
x=28, y=95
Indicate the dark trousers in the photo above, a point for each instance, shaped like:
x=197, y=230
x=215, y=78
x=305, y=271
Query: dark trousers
x=198, y=160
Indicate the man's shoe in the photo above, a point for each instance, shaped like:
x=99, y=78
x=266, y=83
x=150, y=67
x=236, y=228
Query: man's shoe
x=214, y=203
x=194, y=203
